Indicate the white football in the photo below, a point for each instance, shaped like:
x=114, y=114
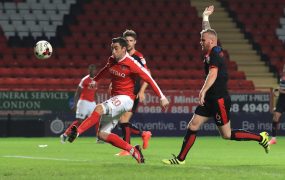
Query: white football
x=43, y=49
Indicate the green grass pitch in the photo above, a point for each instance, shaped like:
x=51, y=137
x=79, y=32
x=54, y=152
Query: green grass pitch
x=210, y=158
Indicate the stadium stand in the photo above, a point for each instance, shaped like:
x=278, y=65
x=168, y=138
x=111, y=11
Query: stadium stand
x=262, y=23
x=168, y=35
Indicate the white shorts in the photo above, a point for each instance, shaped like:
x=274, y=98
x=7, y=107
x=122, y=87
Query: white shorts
x=107, y=124
x=113, y=109
x=84, y=108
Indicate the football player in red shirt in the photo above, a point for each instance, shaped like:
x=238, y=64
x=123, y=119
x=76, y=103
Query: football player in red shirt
x=140, y=87
x=84, y=100
x=123, y=70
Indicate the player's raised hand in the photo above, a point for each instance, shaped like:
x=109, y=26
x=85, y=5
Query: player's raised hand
x=208, y=10
x=164, y=103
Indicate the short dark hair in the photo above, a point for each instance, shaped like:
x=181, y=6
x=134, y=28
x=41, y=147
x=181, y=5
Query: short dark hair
x=129, y=32
x=122, y=41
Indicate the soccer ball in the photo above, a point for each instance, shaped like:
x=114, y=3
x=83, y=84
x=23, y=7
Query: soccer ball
x=43, y=49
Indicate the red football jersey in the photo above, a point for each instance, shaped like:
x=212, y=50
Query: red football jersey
x=123, y=74
x=89, y=88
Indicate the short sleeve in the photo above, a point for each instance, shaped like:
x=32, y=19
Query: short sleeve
x=215, y=57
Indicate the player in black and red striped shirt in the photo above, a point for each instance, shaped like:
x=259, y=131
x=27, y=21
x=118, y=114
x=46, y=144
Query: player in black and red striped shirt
x=214, y=98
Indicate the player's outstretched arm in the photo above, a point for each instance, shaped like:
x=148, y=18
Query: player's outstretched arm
x=145, y=75
x=207, y=12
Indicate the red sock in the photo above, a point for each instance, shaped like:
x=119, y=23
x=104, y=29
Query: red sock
x=116, y=141
x=134, y=130
x=74, y=123
x=89, y=122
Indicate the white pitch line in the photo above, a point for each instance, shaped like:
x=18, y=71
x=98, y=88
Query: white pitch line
x=43, y=158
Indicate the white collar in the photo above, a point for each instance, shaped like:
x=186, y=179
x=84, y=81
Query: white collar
x=127, y=55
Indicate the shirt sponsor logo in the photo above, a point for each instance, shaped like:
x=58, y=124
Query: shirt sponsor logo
x=92, y=85
x=117, y=73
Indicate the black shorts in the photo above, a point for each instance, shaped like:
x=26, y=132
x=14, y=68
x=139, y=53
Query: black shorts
x=280, y=105
x=219, y=109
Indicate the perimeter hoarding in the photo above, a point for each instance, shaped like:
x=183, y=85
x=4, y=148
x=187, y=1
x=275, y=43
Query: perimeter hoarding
x=250, y=110
x=37, y=103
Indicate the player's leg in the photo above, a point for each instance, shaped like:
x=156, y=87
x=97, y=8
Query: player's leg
x=64, y=136
x=275, y=126
x=87, y=123
x=243, y=135
x=189, y=139
x=97, y=125
x=280, y=108
x=129, y=128
x=222, y=119
x=116, y=141
x=121, y=103
x=106, y=128
x=126, y=126
x=82, y=111
x=126, y=131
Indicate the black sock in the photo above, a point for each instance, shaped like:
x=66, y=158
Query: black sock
x=126, y=132
x=274, y=128
x=243, y=135
x=188, y=142
x=135, y=129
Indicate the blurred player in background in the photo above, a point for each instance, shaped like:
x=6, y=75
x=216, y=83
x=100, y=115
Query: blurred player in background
x=84, y=100
x=279, y=109
x=214, y=100
x=123, y=70
x=139, y=90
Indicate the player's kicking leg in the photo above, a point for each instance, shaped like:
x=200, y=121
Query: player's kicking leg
x=64, y=136
x=116, y=141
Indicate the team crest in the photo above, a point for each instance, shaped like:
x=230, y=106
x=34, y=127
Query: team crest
x=123, y=67
x=221, y=54
x=92, y=85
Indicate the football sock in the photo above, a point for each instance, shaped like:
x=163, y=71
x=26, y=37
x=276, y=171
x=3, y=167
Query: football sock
x=135, y=129
x=274, y=128
x=116, y=141
x=243, y=135
x=126, y=130
x=74, y=123
x=188, y=142
x=89, y=122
